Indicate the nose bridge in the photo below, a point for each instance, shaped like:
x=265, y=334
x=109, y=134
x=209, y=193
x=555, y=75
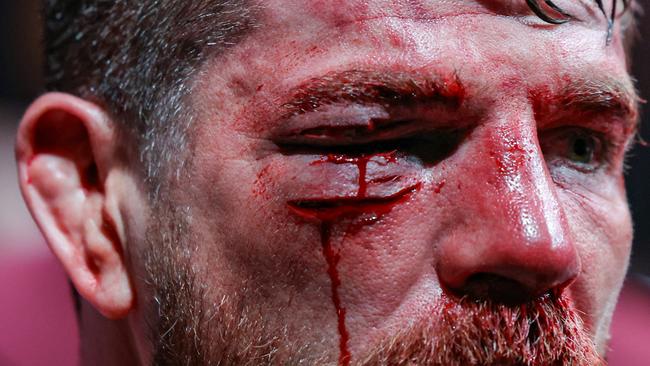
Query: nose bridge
x=528, y=201
x=516, y=227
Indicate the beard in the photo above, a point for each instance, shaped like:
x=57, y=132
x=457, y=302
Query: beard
x=188, y=329
x=185, y=327
x=546, y=331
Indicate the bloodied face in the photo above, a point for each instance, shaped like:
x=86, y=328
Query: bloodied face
x=401, y=183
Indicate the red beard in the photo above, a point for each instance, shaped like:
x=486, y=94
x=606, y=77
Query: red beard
x=547, y=331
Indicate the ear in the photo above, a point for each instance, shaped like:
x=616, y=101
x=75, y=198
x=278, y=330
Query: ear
x=65, y=150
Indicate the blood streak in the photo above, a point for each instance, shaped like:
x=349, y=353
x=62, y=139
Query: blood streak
x=329, y=211
x=332, y=257
x=362, y=164
x=439, y=186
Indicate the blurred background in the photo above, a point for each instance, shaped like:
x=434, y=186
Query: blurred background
x=37, y=322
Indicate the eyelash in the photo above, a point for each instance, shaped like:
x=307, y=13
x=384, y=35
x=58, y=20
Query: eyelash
x=559, y=147
x=429, y=147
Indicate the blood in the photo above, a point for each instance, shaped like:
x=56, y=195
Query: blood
x=334, y=210
x=332, y=257
x=511, y=159
x=395, y=40
x=453, y=89
x=259, y=185
x=362, y=164
x=439, y=186
x=329, y=211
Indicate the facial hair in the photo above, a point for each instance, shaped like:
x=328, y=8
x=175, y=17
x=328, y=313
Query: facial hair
x=187, y=329
x=546, y=331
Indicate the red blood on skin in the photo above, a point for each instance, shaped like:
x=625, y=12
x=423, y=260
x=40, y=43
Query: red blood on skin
x=542, y=99
x=332, y=257
x=333, y=210
x=329, y=211
x=384, y=179
x=395, y=40
x=259, y=186
x=509, y=161
x=362, y=164
x=452, y=88
x=439, y=186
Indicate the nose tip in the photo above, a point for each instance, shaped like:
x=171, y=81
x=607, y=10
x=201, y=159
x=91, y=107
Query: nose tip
x=509, y=279
x=493, y=258
x=514, y=242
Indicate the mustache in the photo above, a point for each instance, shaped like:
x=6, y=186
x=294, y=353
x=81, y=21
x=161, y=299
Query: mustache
x=545, y=331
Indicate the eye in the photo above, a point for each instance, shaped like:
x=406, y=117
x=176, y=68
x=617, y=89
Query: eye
x=428, y=147
x=582, y=149
x=579, y=148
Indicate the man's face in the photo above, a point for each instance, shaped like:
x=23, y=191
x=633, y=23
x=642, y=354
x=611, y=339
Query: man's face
x=361, y=166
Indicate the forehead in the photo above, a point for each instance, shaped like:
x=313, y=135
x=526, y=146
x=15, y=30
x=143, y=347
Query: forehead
x=419, y=33
x=488, y=43
x=429, y=26
x=340, y=11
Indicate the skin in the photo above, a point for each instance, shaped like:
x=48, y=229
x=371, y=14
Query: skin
x=510, y=200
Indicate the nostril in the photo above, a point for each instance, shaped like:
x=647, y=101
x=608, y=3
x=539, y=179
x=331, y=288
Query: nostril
x=496, y=288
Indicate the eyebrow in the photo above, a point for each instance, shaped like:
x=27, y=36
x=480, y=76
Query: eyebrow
x=393, y=89
x=609, y=96
x=375, y=87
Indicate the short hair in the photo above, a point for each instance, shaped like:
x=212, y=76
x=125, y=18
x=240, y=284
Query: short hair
x=135, y=58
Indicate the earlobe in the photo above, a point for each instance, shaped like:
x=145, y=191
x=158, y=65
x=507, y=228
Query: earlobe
x=64, y=151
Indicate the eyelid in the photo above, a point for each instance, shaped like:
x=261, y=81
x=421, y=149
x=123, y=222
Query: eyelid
x=335, y=115
x=375, y=131
x=398, y=135
x=607, y=122
x=426, y=149
x=359, y=117
x=551, y=139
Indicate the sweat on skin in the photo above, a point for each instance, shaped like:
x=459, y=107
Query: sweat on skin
x=363, y=175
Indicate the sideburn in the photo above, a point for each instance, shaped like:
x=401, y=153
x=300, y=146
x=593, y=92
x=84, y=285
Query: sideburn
x=177, y=315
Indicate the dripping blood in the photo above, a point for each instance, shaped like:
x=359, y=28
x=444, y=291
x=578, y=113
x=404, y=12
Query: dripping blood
x=332, y=257
x=362, y=164
x=329, y=211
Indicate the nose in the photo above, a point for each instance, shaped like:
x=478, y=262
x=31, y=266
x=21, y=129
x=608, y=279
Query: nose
x=511, y=240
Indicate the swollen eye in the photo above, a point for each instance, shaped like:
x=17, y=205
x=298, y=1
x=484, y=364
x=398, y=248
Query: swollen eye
x=429, y=147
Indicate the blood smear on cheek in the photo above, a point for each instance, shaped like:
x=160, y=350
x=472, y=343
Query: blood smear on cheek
x=332, y=257
x=328, y=212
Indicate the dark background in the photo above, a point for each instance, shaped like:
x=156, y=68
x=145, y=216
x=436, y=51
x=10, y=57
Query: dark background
x=20, y=82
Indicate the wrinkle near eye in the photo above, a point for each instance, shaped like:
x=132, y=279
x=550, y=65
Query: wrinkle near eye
x=583, y=150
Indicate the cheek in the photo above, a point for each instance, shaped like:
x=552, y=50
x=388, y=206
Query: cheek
x=602, y=228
